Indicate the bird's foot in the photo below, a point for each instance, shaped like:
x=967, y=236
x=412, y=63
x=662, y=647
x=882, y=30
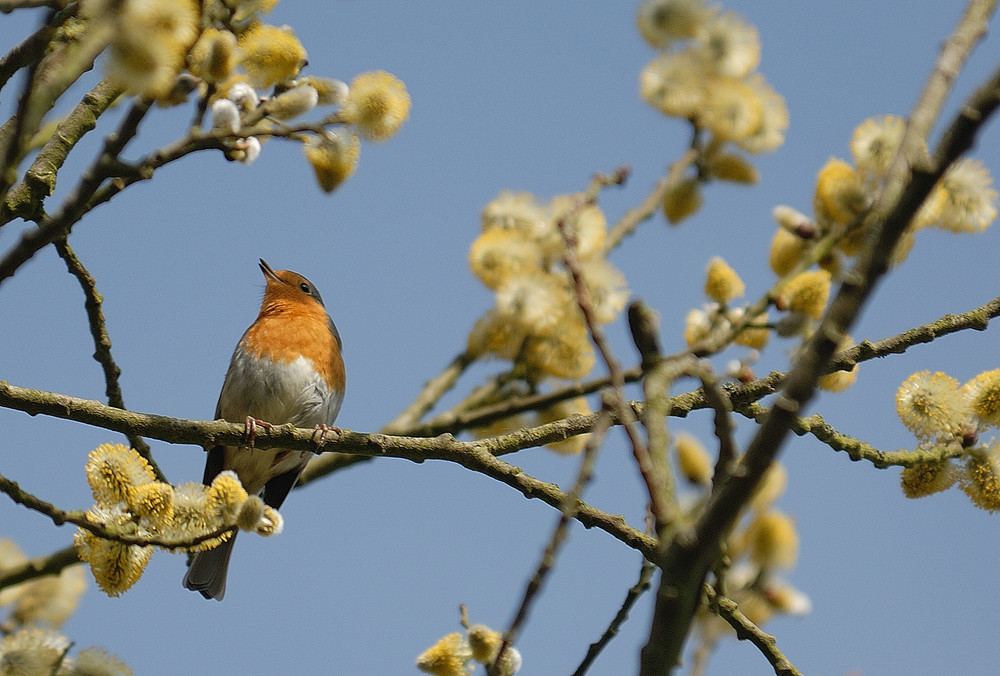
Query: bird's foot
x=250, y=429
x=320, y=432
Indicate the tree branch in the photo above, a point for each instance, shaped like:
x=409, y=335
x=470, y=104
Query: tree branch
x=689, y=556
x=102, y=345
x=856, y=449
x=746, y=630
x=114, y=532
x=568, y=510
x=479, y=456
x=53, y=564
x=76, y=204
x=637, y=590
x=25, y=199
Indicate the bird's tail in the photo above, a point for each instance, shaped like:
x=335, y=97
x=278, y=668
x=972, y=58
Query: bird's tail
x=208, y=571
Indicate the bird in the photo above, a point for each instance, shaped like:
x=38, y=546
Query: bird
x=287, y=368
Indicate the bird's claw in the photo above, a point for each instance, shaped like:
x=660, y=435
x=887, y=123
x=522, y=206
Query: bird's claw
x=250, y=429
x=320, y=432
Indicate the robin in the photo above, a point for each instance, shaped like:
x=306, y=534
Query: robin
x=287, y=368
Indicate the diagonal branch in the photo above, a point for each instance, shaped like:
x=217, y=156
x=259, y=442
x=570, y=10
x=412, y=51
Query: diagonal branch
x=746, y=630
x=568, y=510
x=102, y=345
x=75, y=206
x=637, y=590
x=25, y=199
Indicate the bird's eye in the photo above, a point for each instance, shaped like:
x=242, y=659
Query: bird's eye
x=305, y=288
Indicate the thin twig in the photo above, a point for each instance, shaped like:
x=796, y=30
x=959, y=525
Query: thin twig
x=633, y=217
x=638, y=589
x=568, y=509
x=19, y=127
x=430, y=395
x=653, y=479
x=746, y=630
x=102, y=345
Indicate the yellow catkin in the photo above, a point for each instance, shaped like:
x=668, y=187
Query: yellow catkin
x=932, y=406
x=981, y=482
x=840, y=196
x=733, y=168
x=115, y=566
x=722, y=283
x=484, y=642
x=693, y=459
x=983, y=395
x=333, y=158
x=773, y=540
x=838, y=381
x=271, y=54
x=377, y=105
x=807, y=293
x=564, y=353
x=113, y=470
x=787, y=251
x=683, y=200
x=448, y=657
x=214, y=55
x=756, y=335
x=153, y=502
x=500, y=254
x=927, y=478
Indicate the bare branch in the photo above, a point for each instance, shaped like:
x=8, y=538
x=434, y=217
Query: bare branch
x=76, y=204
x=102, y=345
x=568, y=508
x=637, y=590
x=53, y=564
x=479, y=456
x=746, y=630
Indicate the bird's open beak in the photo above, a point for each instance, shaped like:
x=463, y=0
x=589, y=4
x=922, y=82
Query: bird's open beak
x=268, y=272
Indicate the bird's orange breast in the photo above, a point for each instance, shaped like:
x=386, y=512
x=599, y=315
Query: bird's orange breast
x=283, y=334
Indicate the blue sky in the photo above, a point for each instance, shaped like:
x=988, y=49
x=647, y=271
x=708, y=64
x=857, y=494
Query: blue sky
x=374, y=561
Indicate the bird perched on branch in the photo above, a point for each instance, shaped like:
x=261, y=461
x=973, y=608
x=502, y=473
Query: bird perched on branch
x=287, y=368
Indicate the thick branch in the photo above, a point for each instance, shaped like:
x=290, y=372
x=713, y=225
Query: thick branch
x=24, y=200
